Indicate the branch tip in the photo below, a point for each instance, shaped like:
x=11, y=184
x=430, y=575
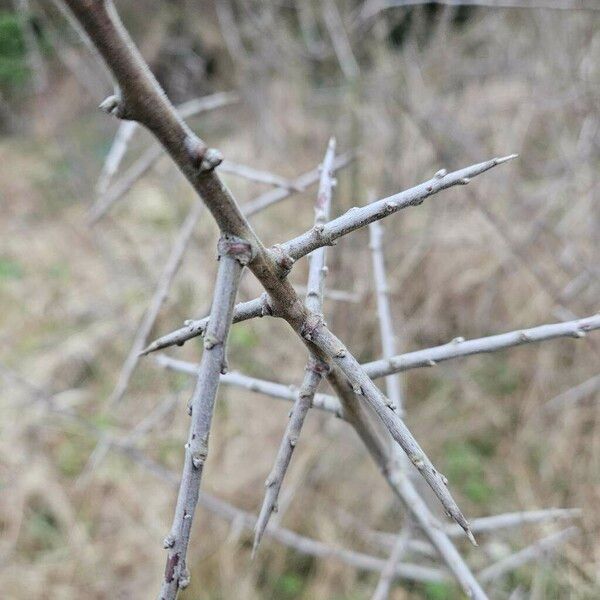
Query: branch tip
x=504, y=159
x=471, y=537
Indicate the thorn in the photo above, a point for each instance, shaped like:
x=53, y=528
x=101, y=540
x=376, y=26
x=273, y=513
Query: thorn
x=471, y=537
x=148, y=349
x=440, y=174
x=465, y=181
x=504, y=159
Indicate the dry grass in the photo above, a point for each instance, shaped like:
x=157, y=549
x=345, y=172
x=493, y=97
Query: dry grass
x=71, y=297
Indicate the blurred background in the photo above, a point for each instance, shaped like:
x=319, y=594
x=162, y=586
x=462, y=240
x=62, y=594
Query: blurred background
x=90, y=454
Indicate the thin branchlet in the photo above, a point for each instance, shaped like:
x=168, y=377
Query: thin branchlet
x=234, y=253
x=358, y=217
x=459, y=347
x=315, y=368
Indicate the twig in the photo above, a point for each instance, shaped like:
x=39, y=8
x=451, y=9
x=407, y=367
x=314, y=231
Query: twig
x=341, y=45
x=115, y=155
x=260, y=386
x=301, y=183
x=384, y=313
x=460, y=347
x=492, y=524
x=234, y=253
x=371, y=8
x=257, y=175
x=358, y=217
x=541, y=548
x=259, y=307
x=574, y=396
x=139, y=97
x=328, y=234
x=169, y=271
x=315, y=368
x=35, y=58
x=108, y=196
x=382, y=591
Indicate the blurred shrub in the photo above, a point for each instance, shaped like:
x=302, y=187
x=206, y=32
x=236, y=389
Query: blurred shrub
x=14, y=72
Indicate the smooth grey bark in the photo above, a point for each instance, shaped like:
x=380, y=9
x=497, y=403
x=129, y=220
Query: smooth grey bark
x=315, y=368
x=234, y=253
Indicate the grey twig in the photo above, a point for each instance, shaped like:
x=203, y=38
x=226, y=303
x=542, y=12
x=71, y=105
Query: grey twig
x=384, y=313
x=545, y=546
x=574, y=396
x=140, y=98
x=301, y=183
x=382, y=591
x=460, y=347
x=327, y=234
x=339, y=39
x=234, y=253
x=253, y=384
x=108, y=196
x=358, y=217
x=266, y=177
x=315, y=368
x=161, y=291
x=372, y=8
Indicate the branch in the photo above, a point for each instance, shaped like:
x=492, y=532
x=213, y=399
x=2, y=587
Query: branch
x=257, y=175
x=280, y=391
x=233, y=254
x=573, y=396
x=382, y=591
x=479, y=526
x=259, y=307
x=140, y=98
x=458, y=347
x=540, y=548
x=371, y=8
x=108, y=196
x=363, y=386
x=169, y=271
x=384, y=313
x=358, y=217
x=381, y=450
x=341, y=45
x=315, y=368
x=299, y=543
x=301, y=183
